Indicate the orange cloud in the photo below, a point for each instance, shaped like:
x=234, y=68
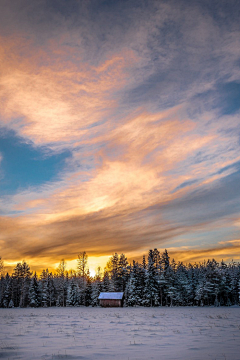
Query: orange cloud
x=58, y=101
x=228, y=251
x=133, y=173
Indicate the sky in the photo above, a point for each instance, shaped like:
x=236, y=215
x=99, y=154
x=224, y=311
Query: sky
x=119, y=130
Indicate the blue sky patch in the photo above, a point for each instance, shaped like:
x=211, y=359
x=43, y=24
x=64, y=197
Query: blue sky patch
x=224, y=97
x=25, y=165
x=230, y=98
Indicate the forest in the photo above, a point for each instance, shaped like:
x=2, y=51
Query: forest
x=156, y=281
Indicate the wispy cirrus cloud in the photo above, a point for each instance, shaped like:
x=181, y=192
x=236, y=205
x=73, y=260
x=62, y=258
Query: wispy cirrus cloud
x=58, y=103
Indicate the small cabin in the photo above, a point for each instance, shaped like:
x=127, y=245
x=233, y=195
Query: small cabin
x=111, y=299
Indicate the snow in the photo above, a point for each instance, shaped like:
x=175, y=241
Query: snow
x=179, y=333
x=111, y=296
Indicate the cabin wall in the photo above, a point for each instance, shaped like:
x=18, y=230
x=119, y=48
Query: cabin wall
x=110, y=303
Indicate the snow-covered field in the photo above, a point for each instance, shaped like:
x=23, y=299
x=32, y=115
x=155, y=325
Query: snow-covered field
x=120, y=333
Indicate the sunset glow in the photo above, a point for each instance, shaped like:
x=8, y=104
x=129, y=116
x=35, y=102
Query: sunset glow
x=119, y=131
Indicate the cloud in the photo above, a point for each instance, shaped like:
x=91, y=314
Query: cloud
x=228, y=251
x=127, y=202
x=135, y=94
x=59, y=102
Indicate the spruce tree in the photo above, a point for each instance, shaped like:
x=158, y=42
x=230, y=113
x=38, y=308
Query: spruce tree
x=34, y=296
x=61, y=281
x=151, y=293
x=7, y=292
x=134, y=290
x=72, y=293
x=95, y=291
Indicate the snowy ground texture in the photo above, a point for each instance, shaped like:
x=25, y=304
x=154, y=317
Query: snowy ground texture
x=179, y=333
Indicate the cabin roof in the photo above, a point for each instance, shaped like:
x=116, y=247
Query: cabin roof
x=110, y=296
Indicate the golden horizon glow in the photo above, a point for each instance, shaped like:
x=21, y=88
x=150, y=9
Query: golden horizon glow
x=227, y=251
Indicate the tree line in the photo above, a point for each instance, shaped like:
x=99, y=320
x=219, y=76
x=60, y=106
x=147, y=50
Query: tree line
x=156, y=281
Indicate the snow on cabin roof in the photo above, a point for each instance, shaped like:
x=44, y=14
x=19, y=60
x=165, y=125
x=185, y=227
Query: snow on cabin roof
x=111, y=296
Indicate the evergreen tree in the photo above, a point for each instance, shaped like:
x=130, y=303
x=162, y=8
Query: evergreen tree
x=51, y=290
x=134, y=288
x=96, y=288
x=162, y=286
x=61, y=281
x=88, y=292
x=72, y=293
x=21, y=281
x=150, y=295
x=43, y=288
x=225, y=285
x=122, y=273
x=82, y=264
x=182, y=285
x=234, y=275
x=200, y=293
x=7, y=292
x=165, y=260
x=114, y=271
x=17, y=284
x=171, y=290
x=34, y=296
x=26, y=274
x=106, y=282
x=212, y=285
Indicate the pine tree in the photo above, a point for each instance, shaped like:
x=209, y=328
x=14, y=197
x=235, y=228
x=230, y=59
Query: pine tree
x=156, y=258
x=43, y=288
x=107, y=283
x=61, y=281
x=212, y=285
x=21, y=281
x=122, y=273
x=134, y=289
x=182, y=285
x=234, y=274
x=34, y=296
x=51, y=290
x=96, y=288
x=82, y=264
x=88, y=292
x=26, y=273
x=72, y=293
x=192, y=282
x=171, y=290
x=17, y=284
x=165, y=260
x=114, y=271
x=7, y=292
x=151, y=292
x=225, y=285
